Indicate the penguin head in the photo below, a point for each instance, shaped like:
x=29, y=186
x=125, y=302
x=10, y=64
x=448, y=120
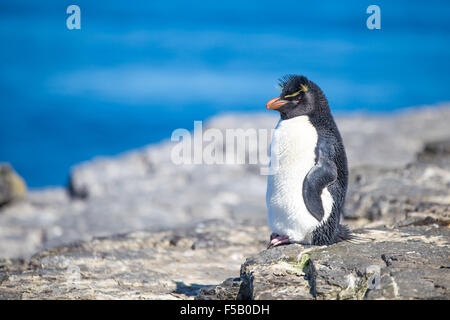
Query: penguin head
x=299, y=96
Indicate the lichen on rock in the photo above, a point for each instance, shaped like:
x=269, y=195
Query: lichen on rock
x=12, y=186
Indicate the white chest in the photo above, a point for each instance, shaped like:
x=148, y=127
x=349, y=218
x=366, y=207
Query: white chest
x=292, y=157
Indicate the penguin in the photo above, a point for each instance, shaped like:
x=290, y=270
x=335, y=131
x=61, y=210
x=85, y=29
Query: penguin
x=308, y=177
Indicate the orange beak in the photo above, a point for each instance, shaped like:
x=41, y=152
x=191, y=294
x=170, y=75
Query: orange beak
x=275, y=103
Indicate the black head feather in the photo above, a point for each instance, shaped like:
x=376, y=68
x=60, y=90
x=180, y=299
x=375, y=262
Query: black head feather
x=292, y=82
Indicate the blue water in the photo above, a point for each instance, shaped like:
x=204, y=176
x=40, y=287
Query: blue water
x=139, y=69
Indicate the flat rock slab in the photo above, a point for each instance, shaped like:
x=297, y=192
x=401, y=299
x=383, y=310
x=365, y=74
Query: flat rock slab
x=140, y=265
x=403, y=263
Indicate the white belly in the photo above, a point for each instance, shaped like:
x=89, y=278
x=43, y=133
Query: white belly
x=292, y=157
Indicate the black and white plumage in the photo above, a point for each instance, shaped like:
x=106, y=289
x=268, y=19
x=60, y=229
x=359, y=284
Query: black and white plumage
x=306, y=189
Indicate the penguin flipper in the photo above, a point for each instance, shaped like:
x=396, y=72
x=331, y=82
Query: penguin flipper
x=319, y=177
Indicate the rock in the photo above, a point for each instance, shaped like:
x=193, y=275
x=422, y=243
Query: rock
x=398, y=263
x=227, y=290
x=12, y=186
x=436, y=152
x=383, y=263
x=387, y=196
x=172, y=264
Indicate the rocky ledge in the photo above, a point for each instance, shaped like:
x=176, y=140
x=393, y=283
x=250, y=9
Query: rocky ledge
x=172, y=264
x=383, y=263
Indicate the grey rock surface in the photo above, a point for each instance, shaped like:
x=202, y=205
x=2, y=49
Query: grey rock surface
x=171, y=264
x=385, y=196
x=384, y=263
x=144, y=189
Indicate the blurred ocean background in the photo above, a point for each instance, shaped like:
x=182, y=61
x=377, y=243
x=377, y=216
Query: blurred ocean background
x=137, y=70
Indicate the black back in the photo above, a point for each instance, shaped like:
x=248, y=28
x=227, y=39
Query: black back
x=331, y=145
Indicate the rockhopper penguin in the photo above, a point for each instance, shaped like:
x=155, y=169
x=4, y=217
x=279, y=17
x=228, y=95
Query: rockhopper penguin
x=306, y=188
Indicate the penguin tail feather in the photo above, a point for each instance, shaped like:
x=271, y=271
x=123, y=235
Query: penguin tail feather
x=344, y=234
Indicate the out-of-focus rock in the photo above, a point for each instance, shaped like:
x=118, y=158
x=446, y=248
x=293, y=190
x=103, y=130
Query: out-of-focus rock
x=12, y=186
x=435, y=152
x=385, y=141
x=385, y=196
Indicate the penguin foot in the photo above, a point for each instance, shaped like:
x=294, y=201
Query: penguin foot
x=276, y=240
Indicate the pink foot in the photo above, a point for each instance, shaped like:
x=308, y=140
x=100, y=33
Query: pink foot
x=276, y=240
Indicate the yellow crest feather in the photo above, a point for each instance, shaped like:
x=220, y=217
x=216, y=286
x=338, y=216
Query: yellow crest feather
x=303, y=89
